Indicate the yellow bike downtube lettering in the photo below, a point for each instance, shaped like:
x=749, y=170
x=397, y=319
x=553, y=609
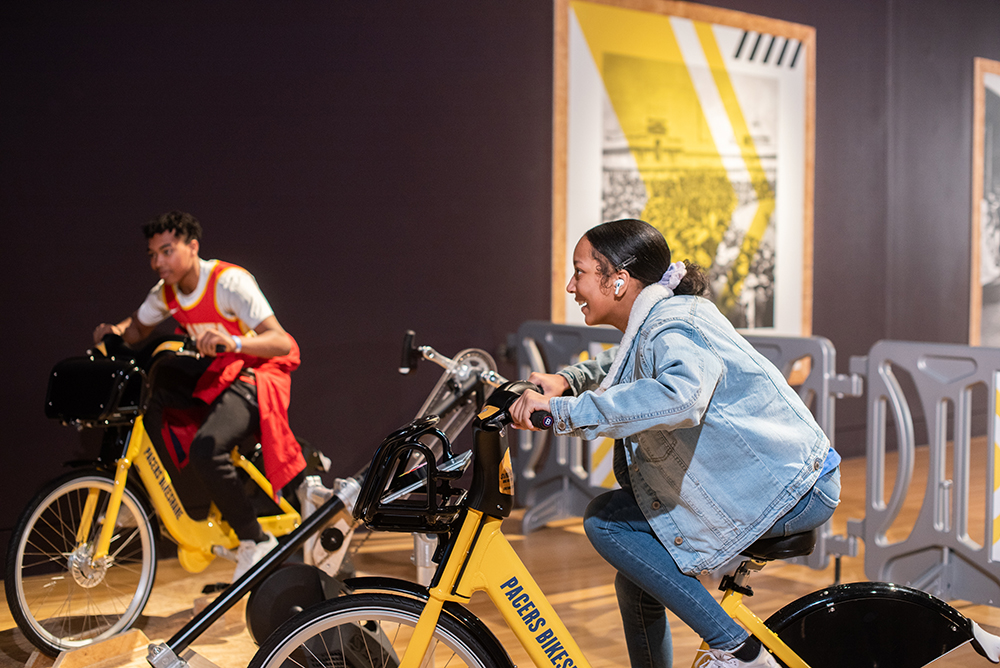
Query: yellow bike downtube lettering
x=525, y=609
x=550, y=641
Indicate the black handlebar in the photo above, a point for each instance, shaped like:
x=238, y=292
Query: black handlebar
x=411, y=354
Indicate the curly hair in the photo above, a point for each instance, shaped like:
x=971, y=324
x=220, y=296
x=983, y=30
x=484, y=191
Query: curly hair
x=184, y=225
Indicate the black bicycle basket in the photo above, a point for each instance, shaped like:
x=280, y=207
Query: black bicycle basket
x=94, y=391
x=405, y=489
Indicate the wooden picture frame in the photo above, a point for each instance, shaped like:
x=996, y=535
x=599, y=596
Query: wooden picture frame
x=984, y=302
x=701, y=121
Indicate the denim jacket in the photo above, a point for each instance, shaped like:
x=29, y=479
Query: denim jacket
x=716, y=444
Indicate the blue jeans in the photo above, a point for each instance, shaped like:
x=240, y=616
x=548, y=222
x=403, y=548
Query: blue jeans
x=648, y=580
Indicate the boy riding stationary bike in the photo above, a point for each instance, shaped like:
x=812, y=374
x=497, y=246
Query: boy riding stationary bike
x=200, y=409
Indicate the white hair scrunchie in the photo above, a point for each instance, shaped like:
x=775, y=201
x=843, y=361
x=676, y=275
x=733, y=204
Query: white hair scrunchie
x=673, y=275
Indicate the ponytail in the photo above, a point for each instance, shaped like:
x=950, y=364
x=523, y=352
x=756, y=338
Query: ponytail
x=695, y=282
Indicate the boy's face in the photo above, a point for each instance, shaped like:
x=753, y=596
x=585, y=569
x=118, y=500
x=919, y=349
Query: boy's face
x=171, y=257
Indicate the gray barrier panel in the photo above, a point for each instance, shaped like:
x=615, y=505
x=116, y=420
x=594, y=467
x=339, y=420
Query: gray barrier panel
x=553, y=472
x=556, y=474
x=938, y=556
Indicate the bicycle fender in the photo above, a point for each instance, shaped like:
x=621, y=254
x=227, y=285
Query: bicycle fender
x=379, y=583
x=873, y=624
x=406, y=588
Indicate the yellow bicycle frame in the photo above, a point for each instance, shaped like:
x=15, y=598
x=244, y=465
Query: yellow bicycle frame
x=195, y=539
x=481, y=559
x=732, y=603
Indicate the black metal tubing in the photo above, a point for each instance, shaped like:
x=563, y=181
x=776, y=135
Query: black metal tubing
x=237, y=590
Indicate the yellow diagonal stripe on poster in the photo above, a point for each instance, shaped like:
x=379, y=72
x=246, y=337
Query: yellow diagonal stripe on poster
x=765, y=196
x=626, y=32
x=689, y=196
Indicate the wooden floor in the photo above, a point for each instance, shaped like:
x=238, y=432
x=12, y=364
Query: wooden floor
x=576, y=580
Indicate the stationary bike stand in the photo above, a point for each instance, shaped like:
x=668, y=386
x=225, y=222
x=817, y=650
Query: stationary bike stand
x=169, y=653
x=456, y=398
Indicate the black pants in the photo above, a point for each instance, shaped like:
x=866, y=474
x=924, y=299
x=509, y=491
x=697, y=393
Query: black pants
x=233, y=420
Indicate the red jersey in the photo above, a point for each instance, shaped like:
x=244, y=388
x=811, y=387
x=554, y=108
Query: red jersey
x=204, y=314
x=282, y=453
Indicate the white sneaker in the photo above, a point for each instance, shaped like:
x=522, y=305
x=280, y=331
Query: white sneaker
x=717, y=658
x=250, y=552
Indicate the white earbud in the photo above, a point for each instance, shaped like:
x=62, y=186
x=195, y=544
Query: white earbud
x=618, y=285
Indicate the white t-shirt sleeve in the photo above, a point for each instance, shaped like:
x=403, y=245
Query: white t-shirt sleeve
x=154, y=309
x=238, y=295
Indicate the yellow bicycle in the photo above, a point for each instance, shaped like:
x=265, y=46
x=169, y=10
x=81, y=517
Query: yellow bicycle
x=82, y=558
x=390, y=623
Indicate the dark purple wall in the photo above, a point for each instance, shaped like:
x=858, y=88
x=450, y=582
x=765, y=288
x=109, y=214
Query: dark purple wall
x=377, y=166
x=384, y=166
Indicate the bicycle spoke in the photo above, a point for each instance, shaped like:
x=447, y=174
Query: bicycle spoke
x=429, y=654
x=126, y=543
x=367, y=648
x=61, y=609
x=340, y=634
x=59, y=534
x=305, y=646
x=58, y=557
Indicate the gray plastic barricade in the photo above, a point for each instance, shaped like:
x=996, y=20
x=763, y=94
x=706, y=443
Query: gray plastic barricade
x=938, y=555
x=557, y=476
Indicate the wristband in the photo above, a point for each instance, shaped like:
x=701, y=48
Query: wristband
x=239, y=344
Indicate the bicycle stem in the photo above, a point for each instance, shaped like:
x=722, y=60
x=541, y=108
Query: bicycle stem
x=462, y=372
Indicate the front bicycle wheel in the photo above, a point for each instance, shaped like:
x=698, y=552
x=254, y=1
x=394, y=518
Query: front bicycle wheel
x=58, y=597
x=373, y=631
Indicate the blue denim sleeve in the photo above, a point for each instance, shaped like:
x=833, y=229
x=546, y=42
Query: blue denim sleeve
x=588, y=375
x=677, y=375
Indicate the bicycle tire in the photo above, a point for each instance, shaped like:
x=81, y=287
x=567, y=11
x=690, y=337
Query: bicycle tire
x=371, y=630
x=57, y=601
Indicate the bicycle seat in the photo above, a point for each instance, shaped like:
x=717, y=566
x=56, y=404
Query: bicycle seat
x=782, y=547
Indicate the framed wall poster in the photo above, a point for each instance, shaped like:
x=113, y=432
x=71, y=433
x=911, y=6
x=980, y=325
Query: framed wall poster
x=984, y=321
x=700, y=121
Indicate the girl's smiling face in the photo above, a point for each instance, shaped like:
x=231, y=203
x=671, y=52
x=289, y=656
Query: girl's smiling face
x=592, y=290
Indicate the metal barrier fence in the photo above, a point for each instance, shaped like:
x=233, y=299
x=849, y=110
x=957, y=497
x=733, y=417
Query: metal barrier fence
x=557, y=476
x=938, y=555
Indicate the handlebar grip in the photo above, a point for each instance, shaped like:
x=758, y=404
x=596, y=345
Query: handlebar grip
x=411, y=355
x=542, y=419
x=220, y=348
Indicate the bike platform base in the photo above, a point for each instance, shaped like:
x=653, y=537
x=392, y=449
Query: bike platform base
x=127, y=650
